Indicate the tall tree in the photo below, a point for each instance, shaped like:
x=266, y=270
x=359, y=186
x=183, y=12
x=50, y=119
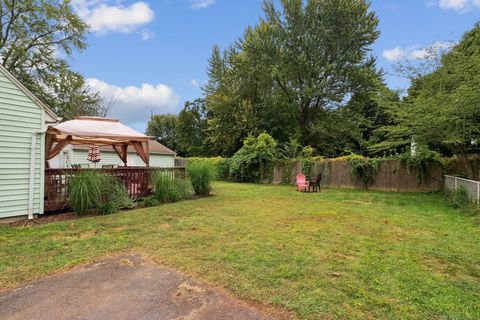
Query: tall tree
x=191, y=129
x=443, y=107
x=35, y=36
x=162, y=127
x=282, y=75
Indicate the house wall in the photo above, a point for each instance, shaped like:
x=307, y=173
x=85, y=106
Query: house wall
x=109, y=158
x=20, y=116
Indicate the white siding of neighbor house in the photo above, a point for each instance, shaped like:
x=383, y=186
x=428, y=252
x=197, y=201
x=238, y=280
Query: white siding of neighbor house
x=79, y=156
x=20, y=117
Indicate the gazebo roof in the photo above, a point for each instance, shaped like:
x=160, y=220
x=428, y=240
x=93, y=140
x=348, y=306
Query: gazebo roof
x=101, y=131
x=97, y=131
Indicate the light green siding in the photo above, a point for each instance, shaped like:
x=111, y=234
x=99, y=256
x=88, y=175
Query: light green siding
x=20, y=117
x=79, y=156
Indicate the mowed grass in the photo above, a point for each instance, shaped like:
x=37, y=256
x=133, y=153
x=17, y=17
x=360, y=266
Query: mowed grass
x=336, y=254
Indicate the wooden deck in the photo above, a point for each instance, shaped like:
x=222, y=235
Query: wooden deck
x=136, y=180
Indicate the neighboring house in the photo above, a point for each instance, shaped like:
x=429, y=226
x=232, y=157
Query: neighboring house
x=160, y=156
x=23, y=120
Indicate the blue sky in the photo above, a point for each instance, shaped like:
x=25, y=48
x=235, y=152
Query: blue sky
x=151, y=55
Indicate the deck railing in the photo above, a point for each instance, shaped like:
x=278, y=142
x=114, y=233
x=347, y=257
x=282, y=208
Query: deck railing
x=137, y=181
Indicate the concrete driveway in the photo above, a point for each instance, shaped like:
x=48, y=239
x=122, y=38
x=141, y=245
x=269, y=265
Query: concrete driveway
x=126, y=287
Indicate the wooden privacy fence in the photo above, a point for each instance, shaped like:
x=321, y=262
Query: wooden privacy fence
x=137, y=181
x=471, y=186
x=391, y=176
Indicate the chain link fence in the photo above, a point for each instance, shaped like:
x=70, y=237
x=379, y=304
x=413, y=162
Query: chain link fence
x=473, y=187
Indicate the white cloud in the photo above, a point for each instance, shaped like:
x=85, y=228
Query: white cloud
x=415, y=52
x=201, y=4
x=456, y=5
x=103, y=18
x=393, y=54
x=134, y=104
x=147, y=35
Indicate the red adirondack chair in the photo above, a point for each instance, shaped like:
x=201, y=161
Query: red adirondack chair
x=302, y=183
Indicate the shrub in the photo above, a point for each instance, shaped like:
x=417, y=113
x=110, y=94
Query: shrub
x=168, y=188
x=86, y=190
x=221, y=166
x=107, y=208
x=150, y=201
x=460, y=199
x=223, y=170
x=118, y=196
x=201, y=175
x=255, y=157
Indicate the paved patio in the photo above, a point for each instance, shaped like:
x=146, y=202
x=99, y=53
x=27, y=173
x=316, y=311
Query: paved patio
x=126, y=287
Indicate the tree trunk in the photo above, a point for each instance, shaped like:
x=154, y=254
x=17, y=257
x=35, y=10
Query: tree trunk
x=471, y=168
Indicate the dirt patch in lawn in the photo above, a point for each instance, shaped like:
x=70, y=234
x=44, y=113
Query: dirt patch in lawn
x=125, y=287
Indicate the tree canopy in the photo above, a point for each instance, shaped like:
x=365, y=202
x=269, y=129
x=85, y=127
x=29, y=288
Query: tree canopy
x=36, y=37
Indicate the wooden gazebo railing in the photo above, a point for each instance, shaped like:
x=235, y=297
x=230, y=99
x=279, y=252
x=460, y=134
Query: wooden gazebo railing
x=137, y=181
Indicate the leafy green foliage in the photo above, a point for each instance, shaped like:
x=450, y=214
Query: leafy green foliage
x=441, y=110
x=170, y=189
x=201, y=175
x=97, y=191
x=255, y=158
x=35, y=37
x=220, y=165
x=421, y=162
x=460, y=199
x=162, y=127
x=300, y=60
x=86, y=190
x=191, y=135
x=117, y=195
x=150, y=201
x=363, y=169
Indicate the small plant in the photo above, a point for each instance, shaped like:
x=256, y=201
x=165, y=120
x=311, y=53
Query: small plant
x=460, y=199
x=150, y=201
x=363, y=169
x=201, y=175
x=169, y=188
x=118, y=195
x=107, y=208
x=223, y=170
x=86, y=189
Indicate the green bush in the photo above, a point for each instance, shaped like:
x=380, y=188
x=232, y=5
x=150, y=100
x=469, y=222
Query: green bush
x=117, y=195
x=223, y=170
x=86, y=190
x=254, y=159
x=150, y=201
x=98, y=191
x=201, y=175
x=221, y=166
x=107, y=208
x=170, y=189
x=460, y=199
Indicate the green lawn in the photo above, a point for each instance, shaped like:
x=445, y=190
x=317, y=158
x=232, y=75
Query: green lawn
x=336, y=254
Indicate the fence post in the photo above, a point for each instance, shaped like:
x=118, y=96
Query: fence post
x=478, y=194
x=455, y=183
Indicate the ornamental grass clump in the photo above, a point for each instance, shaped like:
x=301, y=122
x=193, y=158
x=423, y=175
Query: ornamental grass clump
x=201, y=175
x=169, y=188
x=92, y=191
x=86, y=189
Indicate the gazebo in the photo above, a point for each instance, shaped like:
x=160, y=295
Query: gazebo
x=96, y=131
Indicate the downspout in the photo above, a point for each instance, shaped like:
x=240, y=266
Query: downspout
x=31, y=187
